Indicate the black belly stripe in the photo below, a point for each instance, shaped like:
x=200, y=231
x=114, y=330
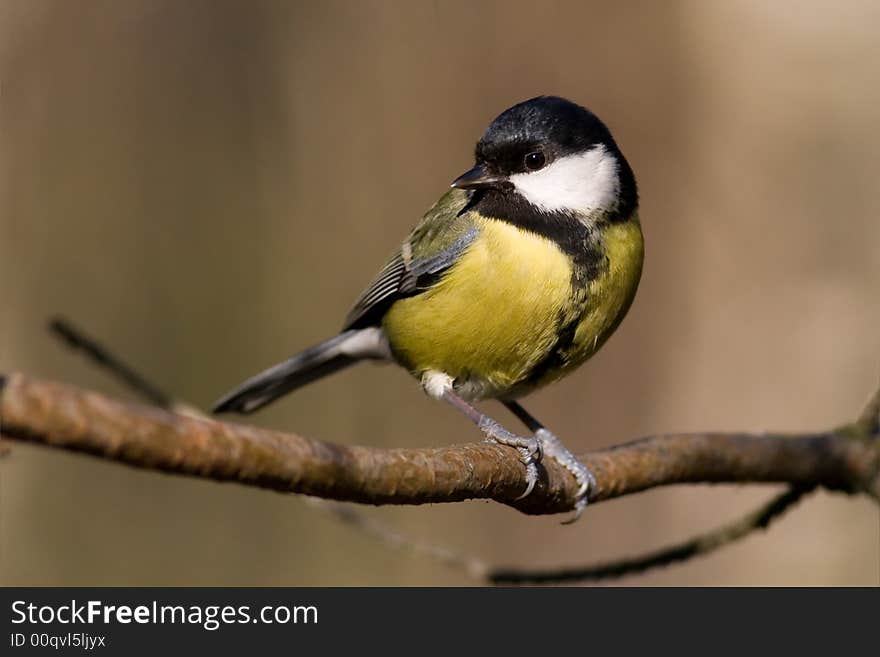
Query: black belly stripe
x=557, y=355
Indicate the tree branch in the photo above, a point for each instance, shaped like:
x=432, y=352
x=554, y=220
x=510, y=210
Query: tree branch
x=66, y=417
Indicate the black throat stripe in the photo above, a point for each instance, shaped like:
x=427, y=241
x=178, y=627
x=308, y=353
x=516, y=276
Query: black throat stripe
x=571, y=235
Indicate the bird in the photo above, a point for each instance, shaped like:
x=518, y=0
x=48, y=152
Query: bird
x=516, y=276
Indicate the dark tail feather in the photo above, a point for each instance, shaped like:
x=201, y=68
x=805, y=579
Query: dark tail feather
x=314, y=363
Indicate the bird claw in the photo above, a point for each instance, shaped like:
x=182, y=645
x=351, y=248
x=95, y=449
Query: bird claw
x=531, y=473
x=530, y=450
x=586, y=481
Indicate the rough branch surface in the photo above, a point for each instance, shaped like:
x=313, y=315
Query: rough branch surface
x=63, y=416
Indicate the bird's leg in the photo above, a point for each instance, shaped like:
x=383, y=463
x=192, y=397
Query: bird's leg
x=552, y=446
x=529, y=448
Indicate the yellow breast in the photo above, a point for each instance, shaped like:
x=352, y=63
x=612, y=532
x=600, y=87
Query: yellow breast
x=492, y=316
x=494, y=319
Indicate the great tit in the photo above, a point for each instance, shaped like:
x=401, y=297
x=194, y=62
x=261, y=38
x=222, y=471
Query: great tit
x=517, y=275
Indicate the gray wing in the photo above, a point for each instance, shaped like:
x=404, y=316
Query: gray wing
x=432, y=248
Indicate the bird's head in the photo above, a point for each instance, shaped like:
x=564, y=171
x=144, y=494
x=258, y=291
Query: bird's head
x=555, y=155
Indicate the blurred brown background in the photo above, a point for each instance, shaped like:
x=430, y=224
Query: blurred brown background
x=207, y=186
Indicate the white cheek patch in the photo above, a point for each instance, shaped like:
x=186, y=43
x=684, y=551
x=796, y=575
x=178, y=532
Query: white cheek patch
x=580, y=183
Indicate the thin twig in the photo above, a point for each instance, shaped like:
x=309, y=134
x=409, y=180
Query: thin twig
x=118, y=369
x=76, y=339
x=869, y=420
x=696, y=546
x=470, y=565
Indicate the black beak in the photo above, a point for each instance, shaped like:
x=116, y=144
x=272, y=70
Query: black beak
x=479, y=178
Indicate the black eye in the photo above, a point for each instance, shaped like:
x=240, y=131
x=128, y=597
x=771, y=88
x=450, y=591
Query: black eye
x=535, y=161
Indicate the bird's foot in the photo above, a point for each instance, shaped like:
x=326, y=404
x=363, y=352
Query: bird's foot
x=529, y=449
x=552, y=446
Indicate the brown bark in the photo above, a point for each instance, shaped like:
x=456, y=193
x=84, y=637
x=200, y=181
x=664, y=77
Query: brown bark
x=63, y=416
